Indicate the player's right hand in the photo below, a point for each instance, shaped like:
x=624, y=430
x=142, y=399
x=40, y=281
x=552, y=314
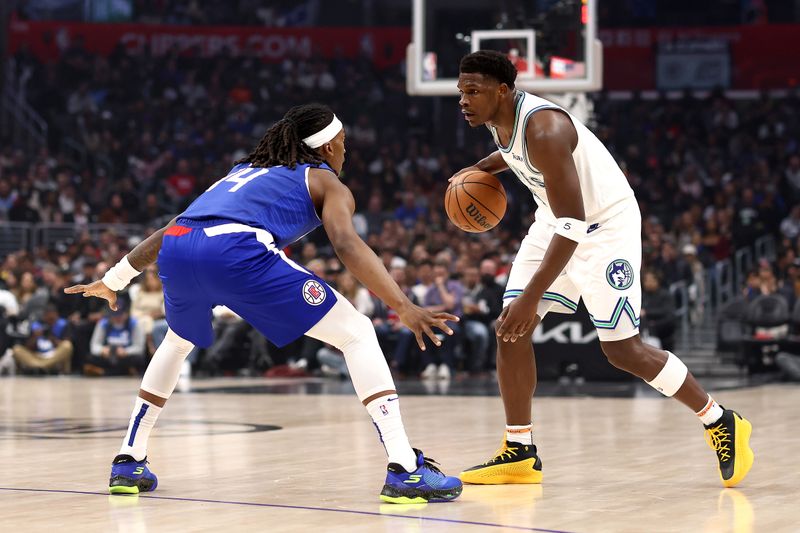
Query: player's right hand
x=420, y=321
x=472, y=168
x=96, y=288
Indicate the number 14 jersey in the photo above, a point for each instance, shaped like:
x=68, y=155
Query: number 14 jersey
x=276, y=199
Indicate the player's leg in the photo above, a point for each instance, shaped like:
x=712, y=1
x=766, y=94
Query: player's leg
x=613, y=295
x=516, y=461
x=129, y=472
x=727, y=432
x=192, y=319
x=410, y=478
x=284, y=301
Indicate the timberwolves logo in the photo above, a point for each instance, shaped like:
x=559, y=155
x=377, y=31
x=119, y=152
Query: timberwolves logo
x=313, y=292
x=619, y=274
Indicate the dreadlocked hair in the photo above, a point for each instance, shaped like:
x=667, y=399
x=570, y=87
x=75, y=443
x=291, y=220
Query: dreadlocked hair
x=283, y=144
x=490, y=63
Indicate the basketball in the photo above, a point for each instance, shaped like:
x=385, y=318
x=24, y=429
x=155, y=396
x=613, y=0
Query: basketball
x=475, y=201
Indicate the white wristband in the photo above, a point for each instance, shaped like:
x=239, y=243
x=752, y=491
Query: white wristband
x=571, y=228
x=118, y=276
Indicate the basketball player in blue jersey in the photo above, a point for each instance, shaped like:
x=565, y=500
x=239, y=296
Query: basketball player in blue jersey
x=225, y=249
x=585, y=243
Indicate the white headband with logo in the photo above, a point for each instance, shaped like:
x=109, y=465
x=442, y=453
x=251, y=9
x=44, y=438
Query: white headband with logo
x=324, y=135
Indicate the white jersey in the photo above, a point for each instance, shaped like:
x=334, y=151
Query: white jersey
x=603, y=185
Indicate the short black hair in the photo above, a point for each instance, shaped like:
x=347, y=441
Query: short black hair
x=489, y=63
x=283, y=144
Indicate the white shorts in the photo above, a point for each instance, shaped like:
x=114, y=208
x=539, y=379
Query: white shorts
x=604, y=271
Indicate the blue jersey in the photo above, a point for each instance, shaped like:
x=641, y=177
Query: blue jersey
x=276, y=199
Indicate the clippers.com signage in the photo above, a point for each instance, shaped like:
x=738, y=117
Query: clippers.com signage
x=48, y=40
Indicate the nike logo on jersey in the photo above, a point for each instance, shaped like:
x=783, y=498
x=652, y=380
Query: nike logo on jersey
x=592, y=228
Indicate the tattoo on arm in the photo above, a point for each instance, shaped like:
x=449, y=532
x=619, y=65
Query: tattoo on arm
x=146, y=252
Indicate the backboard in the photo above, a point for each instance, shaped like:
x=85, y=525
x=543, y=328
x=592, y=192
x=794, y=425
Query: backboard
x=551, y=42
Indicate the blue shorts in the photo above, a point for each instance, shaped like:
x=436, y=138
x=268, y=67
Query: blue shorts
x=203, y=264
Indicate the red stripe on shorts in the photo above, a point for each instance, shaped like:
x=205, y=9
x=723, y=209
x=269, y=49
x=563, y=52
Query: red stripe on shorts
x=177, y=231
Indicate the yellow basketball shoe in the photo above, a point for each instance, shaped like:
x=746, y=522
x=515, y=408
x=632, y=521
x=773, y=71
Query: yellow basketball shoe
x=730, y=438
x=512, y=463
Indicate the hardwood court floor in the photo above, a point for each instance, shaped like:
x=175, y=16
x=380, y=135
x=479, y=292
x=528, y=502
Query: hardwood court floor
x=611, y=464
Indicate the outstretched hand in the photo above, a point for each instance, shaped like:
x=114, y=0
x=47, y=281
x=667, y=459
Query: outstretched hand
x=420, y=321
x=96, y=288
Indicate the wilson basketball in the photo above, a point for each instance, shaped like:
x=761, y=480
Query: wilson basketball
x=475, y=201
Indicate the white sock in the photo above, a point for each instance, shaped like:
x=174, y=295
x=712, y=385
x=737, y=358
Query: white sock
x=385, y=413
x=520, y=434
x=142, y=420
x=710, y=413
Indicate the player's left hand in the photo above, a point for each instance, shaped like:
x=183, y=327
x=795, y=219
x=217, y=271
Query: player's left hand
x=517, y=318
x=96, y=288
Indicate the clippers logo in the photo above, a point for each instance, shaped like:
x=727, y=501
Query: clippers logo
x=619, y=274
x=313, y=292
x=477, y=216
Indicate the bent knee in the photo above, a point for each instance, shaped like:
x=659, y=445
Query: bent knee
x=511, y=347
x=351, y=326
x=623, y=354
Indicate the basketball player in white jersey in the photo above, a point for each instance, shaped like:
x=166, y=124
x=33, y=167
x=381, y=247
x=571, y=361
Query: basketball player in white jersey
x=585, y=243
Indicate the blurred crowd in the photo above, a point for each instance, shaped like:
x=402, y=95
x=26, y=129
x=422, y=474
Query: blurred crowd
x=711, y=175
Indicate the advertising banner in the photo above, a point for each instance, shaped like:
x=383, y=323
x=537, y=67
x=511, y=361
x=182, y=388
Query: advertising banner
x=733, y=57
x=47, y=40
x=568, y=344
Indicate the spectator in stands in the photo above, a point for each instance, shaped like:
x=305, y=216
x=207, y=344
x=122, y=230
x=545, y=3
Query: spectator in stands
x=658, y=311
x=8, y=302
x=115, y=212
x=48, y=348
x=225, y=354
x=792, y=174
x=8, y=197
x=32, y=296
x=790, y=226
x=444, y=295
x=409, y=212
x=375, y=215
x=696, y=287
x=8, y=314
x=424, y=279
x=117, y=345
x=483, y=302
x=391, y=332
x=789, y=285
x=180, y=185
x=760, y=281
x=356, y=294
x=147, y=303
x=746, y=223
x=672, y=267
x=717, y=243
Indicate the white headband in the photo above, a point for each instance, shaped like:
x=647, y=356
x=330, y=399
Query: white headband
x=325, y=134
